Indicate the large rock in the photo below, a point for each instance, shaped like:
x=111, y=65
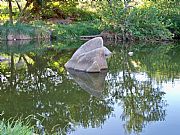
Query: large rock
x=90, y=57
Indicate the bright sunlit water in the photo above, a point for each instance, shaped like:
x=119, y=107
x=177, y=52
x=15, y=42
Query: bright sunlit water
x=139, y=94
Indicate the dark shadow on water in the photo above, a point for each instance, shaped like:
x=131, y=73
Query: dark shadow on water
x=93, y=83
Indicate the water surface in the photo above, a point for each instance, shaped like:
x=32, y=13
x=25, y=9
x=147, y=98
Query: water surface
x=138, y=94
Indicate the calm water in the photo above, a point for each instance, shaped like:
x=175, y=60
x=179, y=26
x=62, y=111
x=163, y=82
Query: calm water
x=139, y=94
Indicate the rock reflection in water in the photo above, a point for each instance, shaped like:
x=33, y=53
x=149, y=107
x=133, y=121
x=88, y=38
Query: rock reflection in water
x=93, y=83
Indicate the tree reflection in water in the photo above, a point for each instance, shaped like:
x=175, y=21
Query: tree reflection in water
x=33, y=84
x=40, y=89
x=136, y=90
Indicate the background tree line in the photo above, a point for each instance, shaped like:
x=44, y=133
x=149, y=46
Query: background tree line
x=128, y=19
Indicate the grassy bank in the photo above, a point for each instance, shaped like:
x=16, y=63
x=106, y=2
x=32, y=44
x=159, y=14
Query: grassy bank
x=43, y=30
x=76, y=29
x=21, y=31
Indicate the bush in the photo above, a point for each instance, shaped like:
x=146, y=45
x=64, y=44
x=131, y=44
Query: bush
x=81, y=15
x=135, y=22
x=146, y=23
x=75, y=30
x=170, y=11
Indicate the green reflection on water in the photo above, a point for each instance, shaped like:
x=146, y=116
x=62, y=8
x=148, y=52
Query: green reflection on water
x=35, y=84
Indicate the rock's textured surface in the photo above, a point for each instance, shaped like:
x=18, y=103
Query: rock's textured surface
x=90, y=57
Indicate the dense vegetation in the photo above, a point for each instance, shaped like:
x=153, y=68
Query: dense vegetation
x=124, y=19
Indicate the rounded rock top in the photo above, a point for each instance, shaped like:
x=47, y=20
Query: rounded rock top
x=90, y=57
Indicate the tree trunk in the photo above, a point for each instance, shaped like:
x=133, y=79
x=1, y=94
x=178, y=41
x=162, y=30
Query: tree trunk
x=21, y=18
x=19, y=7
x=10, y=12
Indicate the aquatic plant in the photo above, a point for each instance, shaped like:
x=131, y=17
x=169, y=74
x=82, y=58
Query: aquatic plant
x=15, y=127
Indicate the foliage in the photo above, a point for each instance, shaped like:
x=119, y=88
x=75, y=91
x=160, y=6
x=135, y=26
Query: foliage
x=146, y=23
x=75, y=30
x=170, y=11
x=80, y=15
x=142, y=22
x=129, y=19
x=112, y=14
x=16, y=127
x=18, y=28
x=60, y=12
x=36, y=31
x=3, y=13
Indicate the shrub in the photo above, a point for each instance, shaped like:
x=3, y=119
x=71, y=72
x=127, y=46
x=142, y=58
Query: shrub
x=133, y=21
x=146, y=23
x=75, y=30
x=170, y=11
